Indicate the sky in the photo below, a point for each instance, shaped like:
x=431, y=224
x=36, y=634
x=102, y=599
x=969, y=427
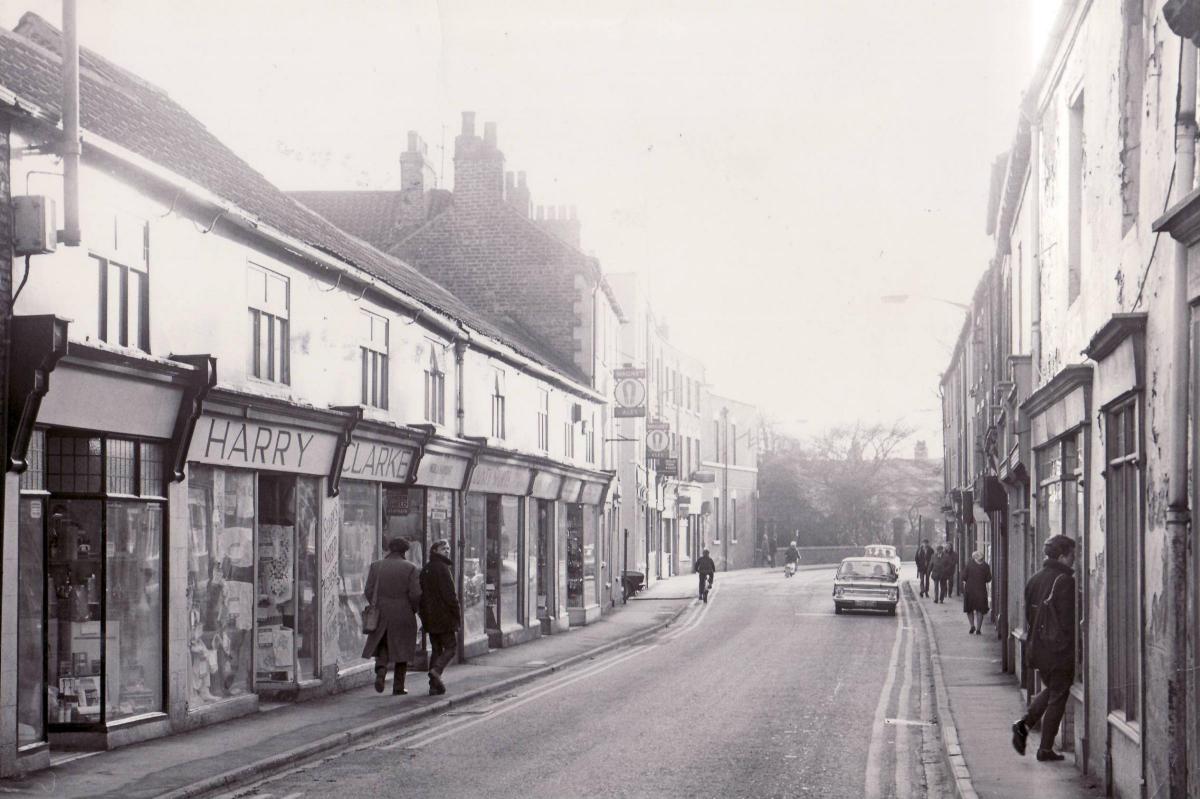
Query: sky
x=772, y=168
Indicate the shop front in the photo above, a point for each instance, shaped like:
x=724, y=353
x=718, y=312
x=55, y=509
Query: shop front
x=88, y=535
x=495, y=564
x=257, y=519
x=543, y=586
x=585, y=560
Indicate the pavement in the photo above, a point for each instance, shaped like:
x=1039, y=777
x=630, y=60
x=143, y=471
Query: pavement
x=226, y=755
x=977, y=703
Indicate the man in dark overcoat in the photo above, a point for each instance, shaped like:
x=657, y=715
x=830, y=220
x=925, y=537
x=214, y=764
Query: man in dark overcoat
x=393, y=586
x=937, y=567
x=440, y=612
x=924, y=559
x=1055, y=581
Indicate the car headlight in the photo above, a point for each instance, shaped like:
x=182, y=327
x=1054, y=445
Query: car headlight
x=893, y=595
x=838, y=590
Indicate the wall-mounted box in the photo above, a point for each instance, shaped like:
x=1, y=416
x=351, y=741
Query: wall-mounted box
x=34, y=232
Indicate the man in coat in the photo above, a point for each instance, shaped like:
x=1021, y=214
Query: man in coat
x=440, y=612
x=394, y=587
x=704, y=567
x=950, y=569
x=937, y=567
x=1055, y=581
x=924, y=559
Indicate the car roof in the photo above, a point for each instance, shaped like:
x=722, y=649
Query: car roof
x=866, y=559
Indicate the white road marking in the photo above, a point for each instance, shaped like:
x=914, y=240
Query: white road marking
x=903, y=740
x=695, y=620
x=873, y=788
x=441, y=731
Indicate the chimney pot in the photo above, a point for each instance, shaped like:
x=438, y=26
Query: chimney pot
x=489, y=133
x=521, y=179
x=468, y=127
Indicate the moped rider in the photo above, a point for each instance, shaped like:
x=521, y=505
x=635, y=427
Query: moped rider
x=791, y=558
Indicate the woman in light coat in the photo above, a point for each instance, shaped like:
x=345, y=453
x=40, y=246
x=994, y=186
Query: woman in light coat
x=398, y=583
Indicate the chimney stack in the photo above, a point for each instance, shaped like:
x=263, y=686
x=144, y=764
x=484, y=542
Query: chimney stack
x=560, y=221
x=416, y=175
x=516, y=193
x=478, y=166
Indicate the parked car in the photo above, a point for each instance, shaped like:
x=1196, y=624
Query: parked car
x=863, y=583
x=883, y=551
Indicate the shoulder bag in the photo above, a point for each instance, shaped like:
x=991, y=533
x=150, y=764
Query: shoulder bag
x=1050, y=638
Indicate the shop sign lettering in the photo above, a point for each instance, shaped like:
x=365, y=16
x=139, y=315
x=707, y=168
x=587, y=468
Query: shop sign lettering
x=496, y=478
x=234, y=442
x=366, y=459
x=441, y=471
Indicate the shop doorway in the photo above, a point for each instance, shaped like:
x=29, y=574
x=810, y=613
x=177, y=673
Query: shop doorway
x=285, y=642
x=545, y=560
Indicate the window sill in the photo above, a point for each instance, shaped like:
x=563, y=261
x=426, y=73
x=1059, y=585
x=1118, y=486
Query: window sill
x=1128, y=729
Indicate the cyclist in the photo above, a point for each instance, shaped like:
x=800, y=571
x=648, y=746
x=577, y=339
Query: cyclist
x=791, y=559
x=705, y=567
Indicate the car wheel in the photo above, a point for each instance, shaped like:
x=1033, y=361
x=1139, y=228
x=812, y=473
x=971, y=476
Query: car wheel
x=892, y=610
x=837, y=608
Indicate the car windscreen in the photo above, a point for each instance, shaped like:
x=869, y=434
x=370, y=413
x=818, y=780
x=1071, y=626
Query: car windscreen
x=865, y=569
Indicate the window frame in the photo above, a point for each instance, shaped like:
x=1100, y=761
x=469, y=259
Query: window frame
x=543, y=420
x=374, y=360
x=435, y=387
x=278, y=324
x=1124, y=479
x=499, y=428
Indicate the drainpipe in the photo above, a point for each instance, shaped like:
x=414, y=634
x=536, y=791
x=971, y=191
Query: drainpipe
x=70, y=234
x=1035, y=262
x=460, y=412
x=1178, y=517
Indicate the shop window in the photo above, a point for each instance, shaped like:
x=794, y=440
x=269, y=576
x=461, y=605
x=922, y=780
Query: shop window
x=270, y=350
x=1123, y=533
x=358, y=547
x=498, y=426
x=435, y=388
x=73, y=464
x=543, y=419
x=220, y=583
x=581, y=555
x=542, y=562
x=474, y=538
x=124, y=305
x=373, y=348
x=503, y=595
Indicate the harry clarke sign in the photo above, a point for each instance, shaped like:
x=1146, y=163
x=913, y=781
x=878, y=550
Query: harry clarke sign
x=282, y=448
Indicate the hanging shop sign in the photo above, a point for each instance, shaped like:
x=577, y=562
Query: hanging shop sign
x=658, y=439
x=667, y=467
x=547, y=485
x=369, y=460
x=253, y=445
x=629, y=391
x=501, y=478
x=437, y=470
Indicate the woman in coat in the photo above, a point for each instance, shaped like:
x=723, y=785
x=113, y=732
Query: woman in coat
x=393, y=586
x=975, y=599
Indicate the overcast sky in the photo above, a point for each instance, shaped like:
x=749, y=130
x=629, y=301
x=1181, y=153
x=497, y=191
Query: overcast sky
x=773, y=168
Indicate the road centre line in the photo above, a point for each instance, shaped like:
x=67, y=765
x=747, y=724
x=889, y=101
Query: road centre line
x=694, y=621
x=421, y=739
x=873, y=788
x=903, y=739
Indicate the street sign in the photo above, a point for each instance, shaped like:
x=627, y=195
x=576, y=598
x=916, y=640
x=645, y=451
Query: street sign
x=658, y=439
x=630, y=393
x=668, y=467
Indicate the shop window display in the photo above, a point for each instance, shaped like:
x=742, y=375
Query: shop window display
x=475, y=530
x=308, y=573
x=503, y=589
x=575, y=556
x=357, y=548
x=589, y=554
x=220, y=583
x=134, y=608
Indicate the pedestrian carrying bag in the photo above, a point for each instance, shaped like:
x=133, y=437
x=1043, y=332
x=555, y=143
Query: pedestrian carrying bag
x=1050, y=640
x=370, y=617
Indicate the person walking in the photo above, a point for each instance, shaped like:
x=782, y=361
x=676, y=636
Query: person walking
x=976, y=577
x=394, y=587
x=924, y=559
x=705, y=567
x=440, y=613
x=937, y=566
x=1054, y=660
x=949, y=569
x=791, y=559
